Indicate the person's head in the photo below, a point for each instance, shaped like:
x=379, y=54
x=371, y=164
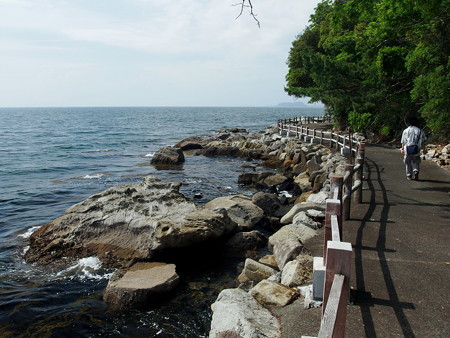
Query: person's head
x=412, y=121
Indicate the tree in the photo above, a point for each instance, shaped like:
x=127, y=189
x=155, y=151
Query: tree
x=374, y=62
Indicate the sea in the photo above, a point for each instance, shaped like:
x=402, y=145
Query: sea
x=52, y=158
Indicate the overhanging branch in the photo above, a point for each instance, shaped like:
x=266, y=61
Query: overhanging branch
x=247, y=4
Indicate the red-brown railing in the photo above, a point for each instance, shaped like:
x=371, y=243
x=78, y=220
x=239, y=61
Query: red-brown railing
x=332, y=272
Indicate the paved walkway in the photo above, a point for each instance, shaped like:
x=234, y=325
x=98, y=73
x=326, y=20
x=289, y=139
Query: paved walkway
x=401, y=244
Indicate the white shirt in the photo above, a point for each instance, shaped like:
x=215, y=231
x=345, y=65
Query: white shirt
x=413, y=135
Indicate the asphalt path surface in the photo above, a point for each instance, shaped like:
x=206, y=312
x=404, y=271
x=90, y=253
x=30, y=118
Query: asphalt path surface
x=401, y=254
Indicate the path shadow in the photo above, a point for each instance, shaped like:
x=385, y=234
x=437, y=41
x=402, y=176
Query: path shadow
x=435, y=181
x=361, y=296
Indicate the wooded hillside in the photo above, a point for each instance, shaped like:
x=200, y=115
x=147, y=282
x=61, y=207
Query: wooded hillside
x=375, y=62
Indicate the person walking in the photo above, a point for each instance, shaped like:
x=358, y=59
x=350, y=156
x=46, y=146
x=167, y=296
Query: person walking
x=413, y=141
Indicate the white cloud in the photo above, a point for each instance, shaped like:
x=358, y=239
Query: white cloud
x=171, y=42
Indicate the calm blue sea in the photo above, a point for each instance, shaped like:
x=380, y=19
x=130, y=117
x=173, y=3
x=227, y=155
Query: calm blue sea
x=52, y=158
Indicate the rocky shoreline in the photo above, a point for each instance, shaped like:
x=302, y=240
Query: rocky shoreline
x=135, y=227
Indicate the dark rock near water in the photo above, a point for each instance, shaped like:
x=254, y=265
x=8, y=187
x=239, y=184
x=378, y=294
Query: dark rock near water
x=243, y=244
x=275, y=179
x=232, y=130
x=251, y=154
x=213, y=151
x=194, y=142
x=223, y=136
x=269, y=203
x=248, y=178
x=168, y=155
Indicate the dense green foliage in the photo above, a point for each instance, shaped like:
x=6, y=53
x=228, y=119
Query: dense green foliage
x=375, y=62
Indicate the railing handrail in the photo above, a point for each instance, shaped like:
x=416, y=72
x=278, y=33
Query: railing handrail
x=337, y=254
x=340, y=141
x=329, y=320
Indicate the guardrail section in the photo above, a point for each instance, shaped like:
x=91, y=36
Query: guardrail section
x=332, y=272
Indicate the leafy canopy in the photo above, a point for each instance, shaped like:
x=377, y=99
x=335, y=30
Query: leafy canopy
x=375, y=62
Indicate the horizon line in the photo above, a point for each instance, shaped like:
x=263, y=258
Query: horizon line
x=306, y=105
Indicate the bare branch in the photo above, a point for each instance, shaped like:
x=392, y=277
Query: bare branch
x=247, y=4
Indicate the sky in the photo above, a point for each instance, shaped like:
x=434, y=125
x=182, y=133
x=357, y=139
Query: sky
x=146, y=52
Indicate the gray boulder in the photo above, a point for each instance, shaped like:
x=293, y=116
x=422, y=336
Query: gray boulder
x=319, y=198
x=268, y=202
x=270, y=293
x=239, y=208
x=241, y=244
x=286, y=251
x=298, y=271
x=303, y=218
x=275, y=179
x=238, y=314
x=256, y=271
x=194, y=142
x=300, y=232
x=140, y=285
x=299, y=207
x=314, y=164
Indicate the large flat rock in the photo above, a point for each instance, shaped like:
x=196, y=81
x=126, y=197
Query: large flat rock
x=140, y=285
x=126, y=222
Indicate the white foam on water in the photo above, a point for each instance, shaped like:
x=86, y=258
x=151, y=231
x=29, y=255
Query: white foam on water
x=25, y=250
x=85, y=268
x=149, y=155
x=29, y=232
x=93, y=176
x=286, y=194
x=193, y=181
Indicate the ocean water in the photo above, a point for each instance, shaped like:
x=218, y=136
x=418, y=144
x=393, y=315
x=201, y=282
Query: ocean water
x=52, y=158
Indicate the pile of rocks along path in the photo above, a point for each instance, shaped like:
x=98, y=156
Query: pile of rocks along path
x=438, y=154
x=132, y=224
x=293, y=202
